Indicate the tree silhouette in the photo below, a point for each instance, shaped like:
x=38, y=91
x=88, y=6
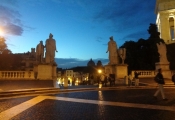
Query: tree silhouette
x=3, y=46
x=8, y=61
x=153, y=31
x=142, y=55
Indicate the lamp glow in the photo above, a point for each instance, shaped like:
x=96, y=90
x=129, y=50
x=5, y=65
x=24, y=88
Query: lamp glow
x=1, y=32
x=99, y=71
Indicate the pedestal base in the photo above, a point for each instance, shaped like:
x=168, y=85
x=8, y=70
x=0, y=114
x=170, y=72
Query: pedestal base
x=163, y=66
x=46, y=72
x=120, y=70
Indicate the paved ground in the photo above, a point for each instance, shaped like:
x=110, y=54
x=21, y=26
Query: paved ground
x=120, y=103
x=108, y=103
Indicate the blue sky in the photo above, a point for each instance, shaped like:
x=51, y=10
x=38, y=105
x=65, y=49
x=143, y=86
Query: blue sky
x=81, y=28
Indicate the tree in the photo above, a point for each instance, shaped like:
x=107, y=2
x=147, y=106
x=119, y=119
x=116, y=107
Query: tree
x=153, y=31
x=8, y=61
x=143, y=53
x=3, y=46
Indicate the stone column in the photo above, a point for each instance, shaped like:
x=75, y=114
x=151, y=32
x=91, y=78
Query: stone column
x=165, y=27
x=174, y=27
x=65, y=82
x=168, y=28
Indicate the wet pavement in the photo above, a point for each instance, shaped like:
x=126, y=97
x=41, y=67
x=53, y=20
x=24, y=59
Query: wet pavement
x=114, y=103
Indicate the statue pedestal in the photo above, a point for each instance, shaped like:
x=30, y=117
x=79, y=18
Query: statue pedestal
x=46, y=72
x=165, y=69
x=120, y=71
x=65, y=82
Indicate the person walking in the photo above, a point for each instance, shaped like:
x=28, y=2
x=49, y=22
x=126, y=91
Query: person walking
x=130, y=78
x=105, y=81
x=160, y=80
x=136, y=77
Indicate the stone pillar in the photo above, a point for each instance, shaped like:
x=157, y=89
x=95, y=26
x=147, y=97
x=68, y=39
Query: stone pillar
x=174, y=27
x=55, y=84
x=65, y=82
x=121, y=71
x=126, y=80
x=54, y=72
x=45, y=72
x=54, y=76
x=165, y=27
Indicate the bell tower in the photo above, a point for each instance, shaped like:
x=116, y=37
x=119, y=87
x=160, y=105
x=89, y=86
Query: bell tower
x=165, y=10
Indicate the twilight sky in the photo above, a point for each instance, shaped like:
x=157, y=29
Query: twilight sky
x=81, y=28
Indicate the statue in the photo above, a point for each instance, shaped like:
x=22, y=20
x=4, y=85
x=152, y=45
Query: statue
x=112, y=48
x=122, y=54
x=162, y=52
x=40, y=52
x=50, y=49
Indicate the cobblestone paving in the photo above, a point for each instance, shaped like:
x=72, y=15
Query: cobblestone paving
x=59, y=110
x=143, y=96
x=6, y=104
x=63, y=110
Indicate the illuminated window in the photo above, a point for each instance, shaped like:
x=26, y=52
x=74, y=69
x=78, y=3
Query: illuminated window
x=171, y=23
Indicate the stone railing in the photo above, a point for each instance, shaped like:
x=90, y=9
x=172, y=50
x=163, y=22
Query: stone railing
x=148, y=74
x=144, y=73
x=16, y=75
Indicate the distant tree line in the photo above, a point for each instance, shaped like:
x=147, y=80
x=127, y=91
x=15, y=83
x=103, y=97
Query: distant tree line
x=8, y=61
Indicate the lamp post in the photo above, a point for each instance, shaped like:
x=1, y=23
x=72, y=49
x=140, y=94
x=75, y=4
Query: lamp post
x=100, y=84
x=99, y=71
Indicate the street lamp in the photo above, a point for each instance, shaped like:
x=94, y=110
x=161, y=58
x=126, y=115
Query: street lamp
x=100, y=84
x=99, y=71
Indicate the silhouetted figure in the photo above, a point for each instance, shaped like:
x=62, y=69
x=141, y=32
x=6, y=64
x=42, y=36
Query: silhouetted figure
x=113, y=54
x=161, y=82
x=105, y=81
x=112, y=79
x=50, y=49
x=136, y=77
x=40, y=52
x=130, y=78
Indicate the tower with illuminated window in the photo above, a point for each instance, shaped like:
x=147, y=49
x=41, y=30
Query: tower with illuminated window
x=165, y=10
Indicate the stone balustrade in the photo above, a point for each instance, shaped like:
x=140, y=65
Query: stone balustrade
x=144, y=73
x=147, y=73
x=29, y=75
x=19, y=75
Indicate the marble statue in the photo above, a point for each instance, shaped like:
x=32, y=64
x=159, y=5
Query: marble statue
x=122, y=54
x=112, y=49
x=40, y=52
x=50, y=49
x=162, y=52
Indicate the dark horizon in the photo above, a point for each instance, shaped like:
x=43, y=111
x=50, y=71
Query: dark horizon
x=75, y=62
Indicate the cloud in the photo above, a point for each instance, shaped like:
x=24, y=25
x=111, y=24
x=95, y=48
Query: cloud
x=10, y=21
x=74, y=62
x=99, y=39
x=137, y=35
x=125, y=15
x=9, y=2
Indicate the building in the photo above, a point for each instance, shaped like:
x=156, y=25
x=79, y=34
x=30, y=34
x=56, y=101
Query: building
x=77, y=75
x=29, y=60
x=165, y=10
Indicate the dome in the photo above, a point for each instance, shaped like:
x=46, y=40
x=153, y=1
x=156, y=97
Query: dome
x=91, y=63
